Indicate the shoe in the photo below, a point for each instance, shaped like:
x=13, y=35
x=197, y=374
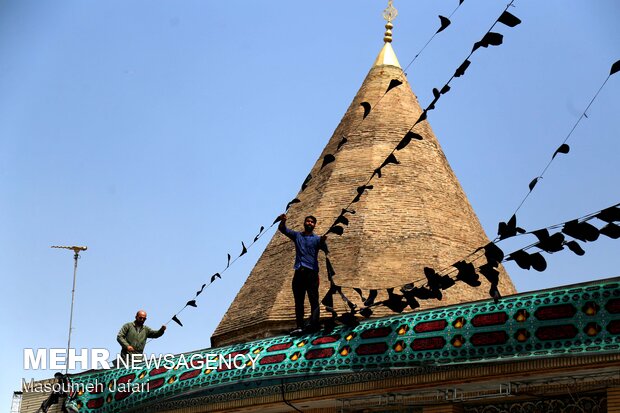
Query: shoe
x=297, y=332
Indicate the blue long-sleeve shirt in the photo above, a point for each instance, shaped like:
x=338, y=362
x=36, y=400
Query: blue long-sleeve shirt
x=306, y=248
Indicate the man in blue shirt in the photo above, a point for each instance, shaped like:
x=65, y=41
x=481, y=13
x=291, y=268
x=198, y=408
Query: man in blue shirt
x=306, y=277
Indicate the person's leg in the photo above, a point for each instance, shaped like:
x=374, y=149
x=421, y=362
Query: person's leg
x=299, y=294
x=313, y=296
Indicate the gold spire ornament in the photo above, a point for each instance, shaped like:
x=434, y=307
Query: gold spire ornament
x=387, y=55
x=389, y=14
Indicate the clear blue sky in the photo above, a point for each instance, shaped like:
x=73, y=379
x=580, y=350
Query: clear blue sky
x=163, y=133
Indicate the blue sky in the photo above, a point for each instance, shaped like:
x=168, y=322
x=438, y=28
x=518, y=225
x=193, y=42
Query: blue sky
x=161, y=134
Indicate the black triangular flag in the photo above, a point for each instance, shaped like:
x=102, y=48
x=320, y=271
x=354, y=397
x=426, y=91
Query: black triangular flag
x=533, y=183
x=192, y=303
x=509, y=19
x=462, y=68
x=243, y=249
x=216, y=275
x=406, y=139
x=564, y=148
x=445, y=22
x=615, y=68
x=580, y=230
x=467, y=273
x=342, y=142
x=330, y=268
x=304, y=185
x=611, y=214
x=260, y=231
x=176, y=320
x=493, y=253
x=522, y=259
x=336, y=229
x=342, y=220
x=490, y=273
x=489, y=39
x=294, y=201
x=327, y=159
x=228, y=263
x=553, y=243
x=372, y=294
x=395, y=302
x=393, y=84
x=538, y=262
x=445, y=89
x=366, y=107
x=575, y=247
x=200, y=291
x=611, y=231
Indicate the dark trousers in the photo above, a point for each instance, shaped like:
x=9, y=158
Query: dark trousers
x=306, y=281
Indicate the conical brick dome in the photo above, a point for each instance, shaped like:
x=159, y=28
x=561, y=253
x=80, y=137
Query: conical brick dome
x=416, y=216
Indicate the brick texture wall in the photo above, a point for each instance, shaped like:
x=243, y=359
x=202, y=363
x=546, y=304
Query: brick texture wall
x=417, y=215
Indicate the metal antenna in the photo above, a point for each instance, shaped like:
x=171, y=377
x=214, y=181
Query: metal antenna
x=76, y=256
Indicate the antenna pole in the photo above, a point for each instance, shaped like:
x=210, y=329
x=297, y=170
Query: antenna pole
x=76, y=256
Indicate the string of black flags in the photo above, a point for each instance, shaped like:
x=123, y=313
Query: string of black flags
x=444, y=23
x=489, y=39
x=550, y=240
x=564, y=148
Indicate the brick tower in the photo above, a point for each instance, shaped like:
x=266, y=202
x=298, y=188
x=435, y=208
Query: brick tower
x=416, y=216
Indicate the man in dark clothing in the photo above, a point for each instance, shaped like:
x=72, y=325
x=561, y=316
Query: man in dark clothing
x=306, y=277
x=132, y=337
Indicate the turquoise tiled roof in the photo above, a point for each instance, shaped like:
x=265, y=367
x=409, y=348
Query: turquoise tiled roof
x=571, y=320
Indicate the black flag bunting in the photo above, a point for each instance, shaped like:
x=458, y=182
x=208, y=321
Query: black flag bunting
x=534, y=182
x=342, y=220
x=294, y=201
x=327, y=159
x=462, y=68
x=360, y=191
x=611, y=230
x=467, y=272
x=509, y=229
x=200, y=291
x=489, y=39
x=371, y=298
x=445, y=22
x=581, y=230
x=366, y=107
x=493, y=253
x=243, y=249
x=304, y=185
x=260, y=231
x=390, y=159
x=610, y=214
x=509, y=19
x=336, y=229
x=575, y=247
x=549, y=243
x=406, y=139
x=422, y=117
x=393, y=83
x=564, y=148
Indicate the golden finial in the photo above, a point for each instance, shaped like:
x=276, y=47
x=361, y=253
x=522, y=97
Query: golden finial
x=389, y=14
